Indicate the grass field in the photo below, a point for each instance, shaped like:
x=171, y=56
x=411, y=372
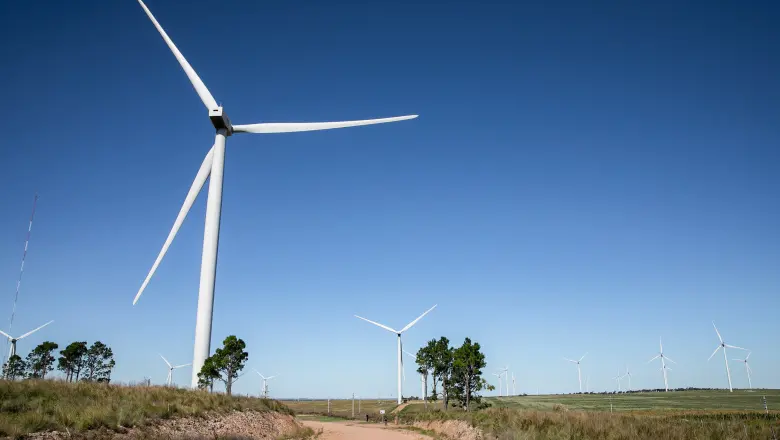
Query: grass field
x=341, y=407
x=38, y=405
x=706, y=400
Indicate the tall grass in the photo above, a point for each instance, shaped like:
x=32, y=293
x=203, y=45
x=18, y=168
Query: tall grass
x=512, y=424
x=45, y=405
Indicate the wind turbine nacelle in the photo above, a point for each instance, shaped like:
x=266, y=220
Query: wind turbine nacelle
x=220, y=120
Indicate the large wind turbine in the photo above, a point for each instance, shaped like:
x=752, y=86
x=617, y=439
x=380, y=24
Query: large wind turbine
x=747, y=368
x=171, y=368
x=13, y=340
x=723, y=345
x=579, y=374
x=400, y=346
x=663, y=363
x=213, y=167
x=265, y=383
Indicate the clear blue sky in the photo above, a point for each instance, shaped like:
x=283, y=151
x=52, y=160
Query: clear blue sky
x=581, y=178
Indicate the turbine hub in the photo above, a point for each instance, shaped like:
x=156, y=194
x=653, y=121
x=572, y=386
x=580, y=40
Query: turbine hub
x=220, y=120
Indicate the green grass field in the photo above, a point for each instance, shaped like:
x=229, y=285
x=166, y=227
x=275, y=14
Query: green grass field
x=705, y=400
x=341, y=407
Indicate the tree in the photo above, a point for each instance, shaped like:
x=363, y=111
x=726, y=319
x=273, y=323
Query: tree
x=72, y=360
x=98, y=363
x=15, y=368
x=208, y=374
x=442, y=366
x=224, y=364
x=40, y=361
x=467, y=364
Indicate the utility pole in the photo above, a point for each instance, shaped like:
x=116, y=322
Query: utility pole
x=328, y=405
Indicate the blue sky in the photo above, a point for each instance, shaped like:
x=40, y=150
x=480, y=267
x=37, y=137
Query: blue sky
x=581, y=179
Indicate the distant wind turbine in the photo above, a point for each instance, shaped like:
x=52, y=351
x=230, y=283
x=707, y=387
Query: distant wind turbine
x=514, y=390
x=747, y=368
x=400, y=346
x=212, y=168
x=13, y=340
x=265, y=383
x=628, y=374
x=723, y=345
x=506, y=379
x=499, y=374
x=422, y=378
x=617, y=379
x=663, y=358
x=579, y=373
x=171, y=368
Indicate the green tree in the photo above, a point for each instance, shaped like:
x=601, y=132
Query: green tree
x=442, y=366
x=41, y=360
x=225, y=364
x=466, y=376
x=72, y=360
x=208, y=374
x=14, y=368
x=98, y=363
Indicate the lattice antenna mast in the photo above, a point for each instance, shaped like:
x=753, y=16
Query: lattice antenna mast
x=21, y=272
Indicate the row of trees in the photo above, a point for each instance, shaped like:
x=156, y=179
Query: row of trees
x=78, y=361
x=458, y=371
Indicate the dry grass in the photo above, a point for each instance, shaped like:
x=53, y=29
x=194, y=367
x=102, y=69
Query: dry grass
x=512, y=424
x=44, y=405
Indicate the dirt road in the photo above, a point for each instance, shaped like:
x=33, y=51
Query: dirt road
x=361, y=431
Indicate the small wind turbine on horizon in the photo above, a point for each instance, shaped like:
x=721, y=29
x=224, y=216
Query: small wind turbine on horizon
x=617, y=379
x=400, y=346
x=13, y=340
x=170, y=369
x=265, y=383
x=422, y=379
x=663, y=363
x=212, y=168
x=747, y=368
x=499, y=374
x=579, y=373
x=506, y=379
x=514, y=390
x=723, y=345
x=628, y=374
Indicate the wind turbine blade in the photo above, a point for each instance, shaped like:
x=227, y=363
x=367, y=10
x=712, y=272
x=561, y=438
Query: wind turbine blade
x=408, y=326
x=583, y=356
x=183, y=365
x=570, y=360
x=261, y=375
x=713, y=353
x=656, y=357
x=289, y=127
x=6, y=334
x=716, y=331
x=409, y=354
x=166, y=361
x=197, y=185
x=668, y=359
x=377, y=324
x=269, y=377
x=33, y=331
x=200, y=88
x=748, y=356
x=734, y=346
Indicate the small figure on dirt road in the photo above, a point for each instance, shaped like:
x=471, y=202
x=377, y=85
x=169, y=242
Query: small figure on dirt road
x=366, y=418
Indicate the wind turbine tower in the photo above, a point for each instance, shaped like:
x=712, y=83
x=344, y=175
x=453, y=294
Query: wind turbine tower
x=663, y=358
x=579, y=373
x=400, y=346
x=265, y=383
x=723, y=345
x=212, y=168
x=747, y=368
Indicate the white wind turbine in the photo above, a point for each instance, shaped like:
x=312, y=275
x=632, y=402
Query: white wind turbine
x=265, y=383
x=747, y=368
x=628, y=374
x=499, y=374
x=13, y=340
x=663, y=358
x=400, y=346
x=579, y=373
x=514, y=390
x=506, y=379
x=422, y=378
x=723, y=345
x=617, y=379
x=213, y=167
x=171, y=368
